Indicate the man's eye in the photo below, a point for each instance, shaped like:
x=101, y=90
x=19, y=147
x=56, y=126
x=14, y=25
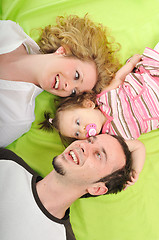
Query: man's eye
x=89, y=140
x=73, y=92
x=98, y=155
x=77, y=75
x=78, y=122
x=77, y=134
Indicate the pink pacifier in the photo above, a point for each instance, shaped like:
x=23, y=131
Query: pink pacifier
x=91, y=130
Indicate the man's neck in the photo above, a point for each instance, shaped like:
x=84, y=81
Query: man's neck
x=55, y=196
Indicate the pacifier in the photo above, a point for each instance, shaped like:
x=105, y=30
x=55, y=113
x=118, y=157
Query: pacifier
x=91, y=130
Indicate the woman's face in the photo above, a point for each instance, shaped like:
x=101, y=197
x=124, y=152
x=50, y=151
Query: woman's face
x=63, y=76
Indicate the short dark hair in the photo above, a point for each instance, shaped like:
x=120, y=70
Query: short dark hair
x=116, y=181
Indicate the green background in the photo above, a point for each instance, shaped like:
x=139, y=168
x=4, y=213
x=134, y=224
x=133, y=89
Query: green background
x=132, y=214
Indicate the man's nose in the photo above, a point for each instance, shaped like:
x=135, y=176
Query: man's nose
x=86, y=148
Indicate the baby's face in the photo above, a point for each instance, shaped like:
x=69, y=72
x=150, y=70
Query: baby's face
x=73, y=122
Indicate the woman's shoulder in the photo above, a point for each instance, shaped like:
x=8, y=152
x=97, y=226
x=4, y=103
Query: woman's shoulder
x=12, y=36
x=7, y=23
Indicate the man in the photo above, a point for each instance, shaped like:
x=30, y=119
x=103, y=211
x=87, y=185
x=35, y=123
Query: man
x=35, y=208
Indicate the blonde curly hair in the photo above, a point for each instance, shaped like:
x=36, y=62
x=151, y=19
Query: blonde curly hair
x=87, y=41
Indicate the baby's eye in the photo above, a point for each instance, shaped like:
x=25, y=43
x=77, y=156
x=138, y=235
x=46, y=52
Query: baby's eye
x=77, y=134
x=78, y=122
x=77, y=75
x=73, y=92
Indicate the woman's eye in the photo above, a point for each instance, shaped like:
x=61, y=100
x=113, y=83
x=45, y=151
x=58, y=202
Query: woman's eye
x=78, y=122
x=77, y=75
x=73, y=92
x=77, y=134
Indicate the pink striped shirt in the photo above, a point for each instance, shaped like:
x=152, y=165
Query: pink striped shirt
x=133, y=107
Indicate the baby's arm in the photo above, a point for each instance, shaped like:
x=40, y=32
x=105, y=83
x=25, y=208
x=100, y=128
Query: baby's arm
x=123, y=72
x=128, y=67
x=138, y=154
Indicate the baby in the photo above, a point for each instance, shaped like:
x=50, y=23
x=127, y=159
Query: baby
x=127, y=107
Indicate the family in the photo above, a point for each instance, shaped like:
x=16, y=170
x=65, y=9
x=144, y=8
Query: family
x=104, y=105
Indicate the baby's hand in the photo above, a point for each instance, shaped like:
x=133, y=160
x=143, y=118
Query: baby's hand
x=133, y=178
x=135, y=59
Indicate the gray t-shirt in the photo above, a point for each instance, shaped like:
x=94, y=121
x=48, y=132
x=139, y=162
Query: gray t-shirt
x=23, y=216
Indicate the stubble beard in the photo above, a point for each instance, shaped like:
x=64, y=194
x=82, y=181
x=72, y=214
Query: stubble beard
x=58, y=166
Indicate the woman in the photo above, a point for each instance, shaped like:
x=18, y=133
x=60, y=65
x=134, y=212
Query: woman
x=69, y=59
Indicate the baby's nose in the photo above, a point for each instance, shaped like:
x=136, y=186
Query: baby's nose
x=83, y=132
x=83, y=129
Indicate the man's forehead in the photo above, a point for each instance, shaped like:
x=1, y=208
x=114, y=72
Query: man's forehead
x=103, y=139
x=113, y=150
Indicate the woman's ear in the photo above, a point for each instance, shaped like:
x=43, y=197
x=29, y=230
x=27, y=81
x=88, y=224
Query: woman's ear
x=87, y=103
x=61, y=51
x=98, y=189
x=64, y=50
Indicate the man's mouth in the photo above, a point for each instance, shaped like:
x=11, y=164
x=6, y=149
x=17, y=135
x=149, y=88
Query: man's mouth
x=57, y=82
x=72, y=154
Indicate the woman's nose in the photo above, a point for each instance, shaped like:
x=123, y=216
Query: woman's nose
x=68, y=86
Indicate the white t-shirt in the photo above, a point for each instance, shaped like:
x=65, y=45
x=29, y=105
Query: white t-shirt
x=23, y=216
x=17, y=99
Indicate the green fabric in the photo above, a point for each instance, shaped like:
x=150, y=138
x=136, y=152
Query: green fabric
x=131, y=214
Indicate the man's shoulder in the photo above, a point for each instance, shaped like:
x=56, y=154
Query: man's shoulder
x=69, y=232
x=9, y=155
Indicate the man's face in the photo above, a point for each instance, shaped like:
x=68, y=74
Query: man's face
x=86, y=161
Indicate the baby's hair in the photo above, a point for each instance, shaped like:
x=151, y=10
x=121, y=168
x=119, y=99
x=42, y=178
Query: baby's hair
x=86, y=40
x=47, y=123
x=66, y=104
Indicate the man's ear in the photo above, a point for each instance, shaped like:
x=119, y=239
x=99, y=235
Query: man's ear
x=61, y=51
x=98, y=189
x=87, y=103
